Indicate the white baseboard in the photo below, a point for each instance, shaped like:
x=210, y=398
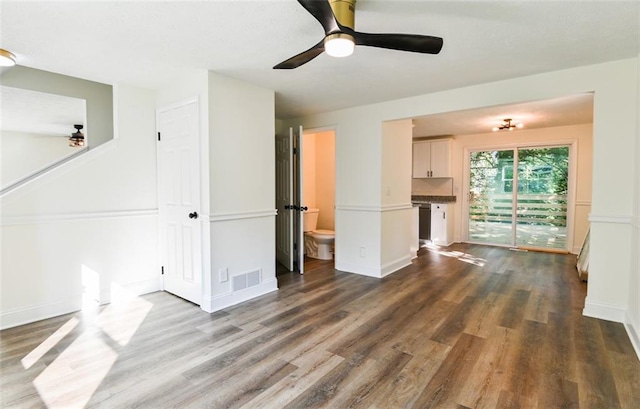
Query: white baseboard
x=377, y=272
x=395, y=265
x=358, y=269
x=634, y=335
x=135, y=289
x=225, y=300
x=603, y=311
x=33, y=313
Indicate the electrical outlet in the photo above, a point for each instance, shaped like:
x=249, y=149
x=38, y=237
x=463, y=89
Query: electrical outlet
x=363, y=252
x=223, y=274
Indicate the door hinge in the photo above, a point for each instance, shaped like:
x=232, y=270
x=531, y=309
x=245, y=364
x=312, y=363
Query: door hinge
x=158, y=136
x=295, y=150
x=162, y=270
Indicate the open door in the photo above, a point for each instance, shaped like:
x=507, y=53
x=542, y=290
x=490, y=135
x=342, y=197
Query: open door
x=289, y=199
x=284, y=199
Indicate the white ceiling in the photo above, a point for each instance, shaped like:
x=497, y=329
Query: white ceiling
x=569, y=110
x=40, y=113
x=149, y=43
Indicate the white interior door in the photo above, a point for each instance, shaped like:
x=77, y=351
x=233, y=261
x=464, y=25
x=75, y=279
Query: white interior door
x=299, y=199
x=179, y=200
x=284, y=200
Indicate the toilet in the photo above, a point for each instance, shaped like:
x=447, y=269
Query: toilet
x=317, y=243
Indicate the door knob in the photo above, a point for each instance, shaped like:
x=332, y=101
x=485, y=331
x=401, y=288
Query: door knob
x=304, y=208
x=193, y=215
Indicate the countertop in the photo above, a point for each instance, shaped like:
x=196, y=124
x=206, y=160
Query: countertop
x=432, y=199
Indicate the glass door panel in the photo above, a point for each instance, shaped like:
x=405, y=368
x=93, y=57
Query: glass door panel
x=542, y=197
x=491, y=214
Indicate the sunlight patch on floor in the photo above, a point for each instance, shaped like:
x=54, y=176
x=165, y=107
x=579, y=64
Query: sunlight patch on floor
x=76, y=373
x=465, y=257
x=121, y=319
x=35, y=355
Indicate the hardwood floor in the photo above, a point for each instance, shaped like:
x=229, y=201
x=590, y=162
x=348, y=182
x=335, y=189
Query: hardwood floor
x=467, y=327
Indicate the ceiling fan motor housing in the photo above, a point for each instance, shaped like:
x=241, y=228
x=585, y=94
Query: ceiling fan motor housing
x=345, y=11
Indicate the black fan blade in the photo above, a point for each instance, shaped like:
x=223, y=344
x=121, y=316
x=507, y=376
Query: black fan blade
x=404, y=42
x=302, y=58
x=321, y=10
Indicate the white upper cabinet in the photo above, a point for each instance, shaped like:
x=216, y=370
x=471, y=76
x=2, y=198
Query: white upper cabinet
x=431, y=159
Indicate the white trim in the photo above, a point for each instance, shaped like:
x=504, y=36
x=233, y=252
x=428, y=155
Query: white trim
x=610, y=218
x=367, y=208
x=68, y=164
x=42, y=171
x=72, y=217
x=395, y=265
x=358, y=269
x=222, y=217
x=181, y=103
x=33, y=313
x=634, y=334
x=603, y=311
x=635, y=222
x=221, y=301
x=138, y=288
x=377, y=272
x=583, y=202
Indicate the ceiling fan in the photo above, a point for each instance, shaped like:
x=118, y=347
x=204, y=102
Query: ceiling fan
x=337, y=17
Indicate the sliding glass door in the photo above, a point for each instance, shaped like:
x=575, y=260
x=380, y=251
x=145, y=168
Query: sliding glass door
x=518, y=197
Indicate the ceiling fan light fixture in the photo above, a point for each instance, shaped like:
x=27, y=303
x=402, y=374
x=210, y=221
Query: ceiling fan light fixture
x=7, y=59
x=339, y=45
x=507, y=126
x=77, y=138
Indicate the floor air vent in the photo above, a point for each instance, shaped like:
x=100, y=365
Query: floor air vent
x=242, y=281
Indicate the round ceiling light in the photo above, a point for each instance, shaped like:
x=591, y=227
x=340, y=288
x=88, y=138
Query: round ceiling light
x=7, y=59
x=339, y=45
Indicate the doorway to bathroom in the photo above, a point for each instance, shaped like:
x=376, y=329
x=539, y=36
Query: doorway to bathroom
x=305, y=198
x=318, y=171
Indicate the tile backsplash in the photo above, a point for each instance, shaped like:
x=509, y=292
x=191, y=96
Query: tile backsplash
x=432, y=186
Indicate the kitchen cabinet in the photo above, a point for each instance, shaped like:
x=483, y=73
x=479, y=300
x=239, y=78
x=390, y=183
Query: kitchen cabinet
x=441, y=224
x=431, y=159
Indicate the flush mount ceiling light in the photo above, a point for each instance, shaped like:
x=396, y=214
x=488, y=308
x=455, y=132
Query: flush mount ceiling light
x=507, y=126
x=7, y=59
x=77, y=138
x=339, y=45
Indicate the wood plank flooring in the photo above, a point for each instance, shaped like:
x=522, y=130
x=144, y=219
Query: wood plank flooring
x=464, y=327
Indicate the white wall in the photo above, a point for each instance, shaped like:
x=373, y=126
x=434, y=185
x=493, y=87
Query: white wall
x=359, y=157
x=237, y=127
x=23, y=154
x=580, y=135
x=396, y=217
x=633, y=312
x=242, y=188
x=93, y=216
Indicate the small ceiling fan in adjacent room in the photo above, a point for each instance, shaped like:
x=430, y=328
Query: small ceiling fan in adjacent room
x=337, y=17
